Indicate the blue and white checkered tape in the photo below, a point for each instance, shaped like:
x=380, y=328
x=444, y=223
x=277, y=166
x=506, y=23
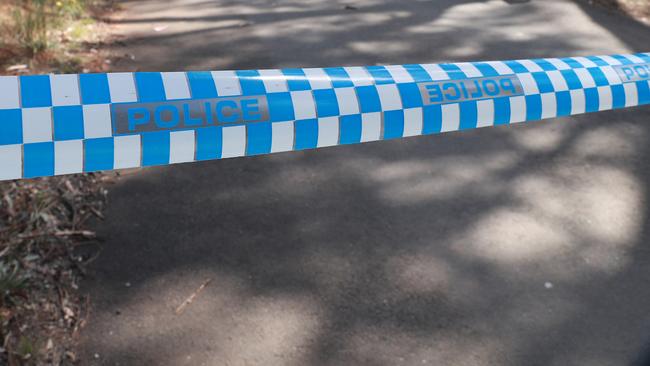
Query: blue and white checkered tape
x=62, y=124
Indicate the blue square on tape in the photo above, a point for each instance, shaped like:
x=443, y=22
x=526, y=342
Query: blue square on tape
x=201, y=84
x=418, y=73
x=393, y=124
x=597, y=60
x=486, y=69
x=208, y=143
x=280, y=107
x=11, y=126
x=571, y=79
x=501, y=111
x=592, y=100
x=350, y=129
x=545, y=65
x=380, y=75
x=98, y=154
x=453, y=71
x=572, y=63
x=598, y=76
x=339, y=77
x=258, y=138
x=516, y=67
x=35, y=91
x=38, y=159
x=326, y=103
x=150, y=86
x=643, y=89
x=563, y=103
x=368, y=99
x=618, y=96
x=468, y=115
x=94, y=89
x=533, y=107
x=410, y=93
x=68, y=122
x=155, y=148
x=296, y=79
x=250, y=82
x=432, y=119
x=306, y=134
x=543, y=82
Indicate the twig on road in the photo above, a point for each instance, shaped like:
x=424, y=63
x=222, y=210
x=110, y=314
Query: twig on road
x=189, y=300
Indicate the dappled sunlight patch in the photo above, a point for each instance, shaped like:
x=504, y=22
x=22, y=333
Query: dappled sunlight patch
x=411, y=182
x=587, y=216
x=507, y=235
x=542, y=137
x=615, y=141
x=282, y=325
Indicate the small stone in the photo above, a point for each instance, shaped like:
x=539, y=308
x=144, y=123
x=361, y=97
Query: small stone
x=548, y=285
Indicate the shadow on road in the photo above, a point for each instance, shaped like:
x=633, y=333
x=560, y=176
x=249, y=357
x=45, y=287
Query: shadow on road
x=516, y=245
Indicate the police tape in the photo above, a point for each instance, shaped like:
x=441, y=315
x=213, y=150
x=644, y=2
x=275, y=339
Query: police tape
x=63, y=124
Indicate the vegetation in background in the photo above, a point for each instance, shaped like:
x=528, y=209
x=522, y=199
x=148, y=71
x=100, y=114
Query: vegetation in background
x=42, y=238
x=49, y=35
x=42, y=235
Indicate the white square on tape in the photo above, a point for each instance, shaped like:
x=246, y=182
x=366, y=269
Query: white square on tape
x=517, y=109
x=304, y=106
x=578, y=101
x=450, y=117
x=389, y=97
x=122, y=87
x=585, y=77
x=400, y=74
x=549, y=105
x=605, y=98
x=65, y=90
x=9, y=94
x=274, y=81
x=435, y=72
x=347, y=101
x=11, y=162
x=558, y=81
x=97, y=120
x=412, y=122
x=328, y=131
x=181, y=146
x=631, y=94
x=128, y=152
x=370, y=126
x=234, y=141
x=176, y=85
x=530, y=65
x=528, y=83
x=226, y=82
x=359, y=76
x=469, y=69
x=318, y=79
x=68, y=157
x=37, y=124
x=485, y=113
x=282, y=136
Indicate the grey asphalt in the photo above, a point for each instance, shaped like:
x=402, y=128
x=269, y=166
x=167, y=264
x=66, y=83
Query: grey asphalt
x=518, y=245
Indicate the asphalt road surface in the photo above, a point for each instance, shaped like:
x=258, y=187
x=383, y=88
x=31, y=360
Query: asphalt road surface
x=521, y=245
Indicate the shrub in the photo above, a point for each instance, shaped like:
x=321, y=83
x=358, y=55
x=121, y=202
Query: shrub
x=33, y=20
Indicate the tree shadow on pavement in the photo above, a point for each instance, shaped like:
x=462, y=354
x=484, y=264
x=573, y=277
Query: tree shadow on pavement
x=513, y=245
